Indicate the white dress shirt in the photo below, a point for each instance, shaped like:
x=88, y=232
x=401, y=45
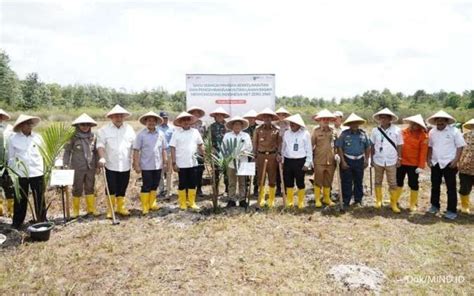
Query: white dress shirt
x=444, y=144
x=241, y=137
x=186, y=143
x=26, y=149
x=117, y=142
x=385, y=154
x=297, y=145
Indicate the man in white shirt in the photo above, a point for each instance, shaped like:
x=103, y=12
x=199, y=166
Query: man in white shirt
x=6, y=130
x=297, y=157
x=237, y=125
x=24, y=155
x=387, y=144
x=445, y=146
x=185, y=144
x=283, y=126
x=114, y=147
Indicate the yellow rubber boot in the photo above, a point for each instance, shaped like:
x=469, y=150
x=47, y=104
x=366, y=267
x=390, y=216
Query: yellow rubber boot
x=182, y=199
x=145, y=199
x=394, y=199
x=317, y=196
x=76, y=204
x=271, y=196
x=465, y=204
x=90, y=202
x=289, y=197
x=413, y=200
x=326, y=196
x=121, y=206
x=10, y=204
x=1, y=206
x=192, y=199
x=152, y=201
x=378, y=197
x=114, y=205
x=301, y=194
x=261, y=197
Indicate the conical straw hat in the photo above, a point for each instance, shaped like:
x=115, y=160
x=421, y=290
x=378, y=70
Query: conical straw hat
x=296, y=119
x=84, y=118
x=353, y=118
x=4, y=113
x=219, y=110
x=199, y=110
x=117, y=109
x=440, y=114
x=282, y=110
x=250, y=114
x=22, y=118
x=385, y=111
x=143, y=118
x=418, y=119
x=177, y=121
x=469, y=125
x=267, y=111
x=230, y=123
x=325, y=113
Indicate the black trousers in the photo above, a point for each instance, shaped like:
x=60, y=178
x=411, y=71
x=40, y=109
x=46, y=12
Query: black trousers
x=7, y=185
x=21, y=204
x=465, y=183
x=404, y=170
x=293, y=171
x=151, y=180
x=118, y=182
x=187, y=178
x=449, y=175
x=199, y=173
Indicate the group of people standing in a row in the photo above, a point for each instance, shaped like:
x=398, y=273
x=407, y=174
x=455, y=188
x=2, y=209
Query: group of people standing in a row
x=279, y=140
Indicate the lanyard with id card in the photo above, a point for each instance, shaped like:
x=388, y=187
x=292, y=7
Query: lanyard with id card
x=295, y=145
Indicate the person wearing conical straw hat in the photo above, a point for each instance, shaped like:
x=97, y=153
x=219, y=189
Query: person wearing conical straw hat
x=80, y=155
x=218, y=131
x=353, y=146
x=167, y=129
x=266, y=146
x=283, y=126
x=185, y=144
x=251, y=117
x=6, y=130
x=387, y=142
x=414, y=150
x=466, y=166
x=236, y=125
x=201, y=127
x=297, y=156
x=445, y=147
x=325, y=156
x=114, y=146
x=25, y=157
x=149, y=159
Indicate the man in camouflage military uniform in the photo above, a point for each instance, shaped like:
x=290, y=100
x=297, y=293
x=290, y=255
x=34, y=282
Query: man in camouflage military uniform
x=466, y=167
x=218, y=131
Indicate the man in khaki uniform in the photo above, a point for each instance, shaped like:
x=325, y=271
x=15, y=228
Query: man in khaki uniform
x=266, y=145
x=322, y=140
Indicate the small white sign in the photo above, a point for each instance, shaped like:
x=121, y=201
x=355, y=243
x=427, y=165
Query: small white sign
x=62, y=177
x=58, y=163
x=246, y=169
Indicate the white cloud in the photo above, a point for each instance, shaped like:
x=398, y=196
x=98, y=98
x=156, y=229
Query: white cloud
x=315, y=48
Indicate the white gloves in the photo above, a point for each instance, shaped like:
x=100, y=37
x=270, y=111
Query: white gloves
x=337, y=158
x=418, y=171
x=102, y=160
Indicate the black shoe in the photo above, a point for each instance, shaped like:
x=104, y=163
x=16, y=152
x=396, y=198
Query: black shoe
x=278, y=193
x=231, y=203
x=243, y=203
x=255, y=193
x=199, y=192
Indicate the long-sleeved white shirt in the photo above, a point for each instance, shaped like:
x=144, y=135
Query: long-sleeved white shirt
x=297, y=145
x=444, y=144
x=25, y=149
x=241, y=137
x=117, y=142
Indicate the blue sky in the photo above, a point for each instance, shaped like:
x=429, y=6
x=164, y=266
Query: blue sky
x=315, y=48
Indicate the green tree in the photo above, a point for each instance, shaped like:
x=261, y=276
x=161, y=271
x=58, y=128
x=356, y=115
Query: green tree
x=10, y=90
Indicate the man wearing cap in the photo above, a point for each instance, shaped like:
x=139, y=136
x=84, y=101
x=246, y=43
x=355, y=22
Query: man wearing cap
x=297, y=156
x=466, y=166
x=25, y=157
x=353, y=147
x=201, y=127
x=414, y=150
x=167, y=131
x=218, y=131
x=387, y=142
x=266, y=146
x=236, y=125
x=6, y=130
x=445, y=146
x=283, y=126
x=80, y=155
x=251, y=117
x=114, y=147
x=149, y=158
x=325, y=157
x=185, y=145
x=338, y=127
